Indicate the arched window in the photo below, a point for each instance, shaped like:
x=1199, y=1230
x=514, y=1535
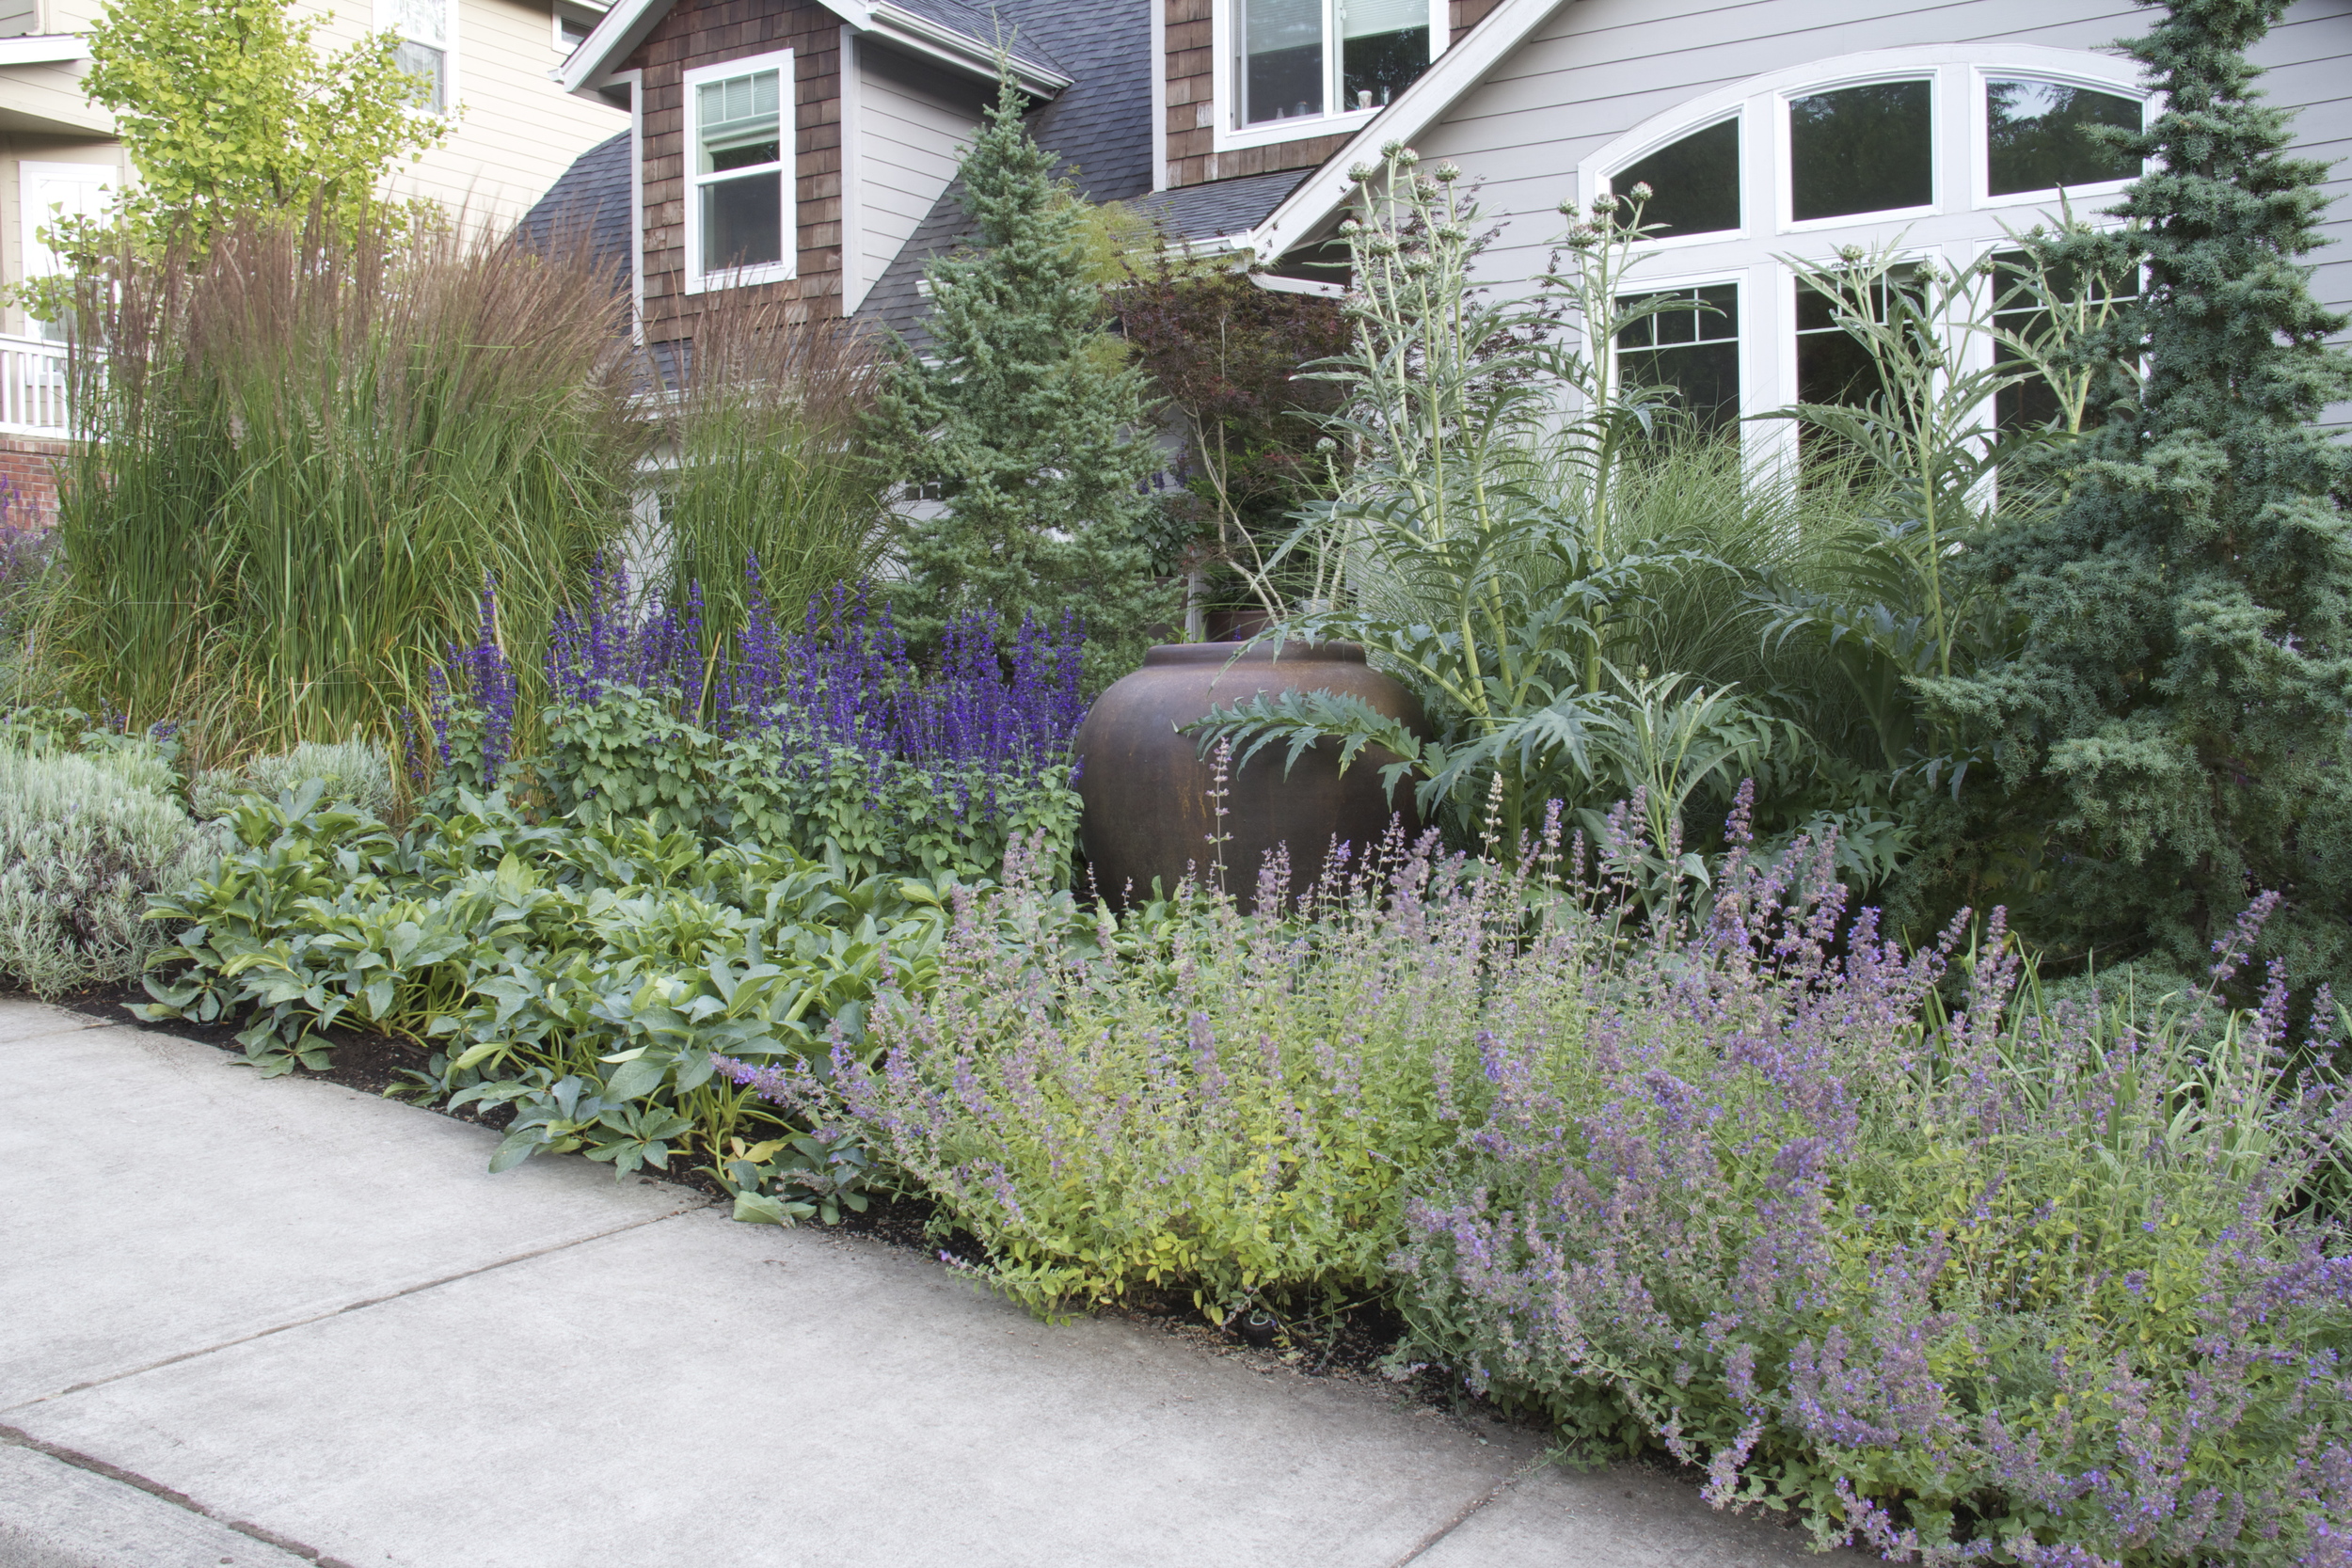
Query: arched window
x=1940, y=151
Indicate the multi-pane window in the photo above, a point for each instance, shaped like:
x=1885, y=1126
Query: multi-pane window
x=1869, y=148
x=2039, y=135
x=423, y=50
x=1301, y=58
x=1934, y=156
x=739, y=170
x=2021, y=312
x=1832, y=365
x=1691, y=349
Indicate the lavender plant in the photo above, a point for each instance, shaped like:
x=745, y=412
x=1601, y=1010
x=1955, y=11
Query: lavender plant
x=2001, y=1287
x=84, y=840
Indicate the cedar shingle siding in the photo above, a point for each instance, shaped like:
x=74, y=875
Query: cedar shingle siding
x=1462, y=15
x=706, y=34
x=1192, y=158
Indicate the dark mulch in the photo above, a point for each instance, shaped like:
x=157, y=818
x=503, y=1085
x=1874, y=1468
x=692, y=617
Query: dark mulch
x=369, y=1063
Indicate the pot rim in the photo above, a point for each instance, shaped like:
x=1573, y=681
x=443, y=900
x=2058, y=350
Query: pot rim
x=1293, y=652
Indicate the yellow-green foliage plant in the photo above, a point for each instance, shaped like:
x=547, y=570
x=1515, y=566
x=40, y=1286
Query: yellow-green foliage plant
x=306, y=452
x=1197, y=1100
x=227, y=106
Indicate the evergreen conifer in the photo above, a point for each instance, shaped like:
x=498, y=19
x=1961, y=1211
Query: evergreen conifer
x=2179, y=717
x=1027, y=419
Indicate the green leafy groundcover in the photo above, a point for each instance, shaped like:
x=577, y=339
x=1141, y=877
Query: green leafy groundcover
x=582, y=971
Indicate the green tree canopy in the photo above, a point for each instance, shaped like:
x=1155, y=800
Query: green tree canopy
x=1026, y=418
x=2180, y=716
x=226, y=106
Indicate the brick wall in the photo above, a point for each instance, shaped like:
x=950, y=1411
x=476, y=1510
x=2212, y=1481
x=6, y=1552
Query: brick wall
x=28, y=465
x=1192, y=158
x=707, y=32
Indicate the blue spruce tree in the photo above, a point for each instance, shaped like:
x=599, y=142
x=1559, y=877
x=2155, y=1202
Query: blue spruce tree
x=2178, y=719
x=1027, y=419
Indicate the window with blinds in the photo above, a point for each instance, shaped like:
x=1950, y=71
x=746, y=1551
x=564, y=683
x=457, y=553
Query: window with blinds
x=740, y=172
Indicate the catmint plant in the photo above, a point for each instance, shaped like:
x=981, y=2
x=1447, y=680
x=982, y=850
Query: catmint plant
x=1991, y=1285
x=1197, y=1100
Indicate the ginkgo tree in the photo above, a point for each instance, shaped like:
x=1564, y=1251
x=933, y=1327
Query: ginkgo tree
x=229, y=106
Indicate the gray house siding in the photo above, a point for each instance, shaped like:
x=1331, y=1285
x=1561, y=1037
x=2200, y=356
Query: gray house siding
x=910, y=125
x=1599, y=69
x=2309, y=58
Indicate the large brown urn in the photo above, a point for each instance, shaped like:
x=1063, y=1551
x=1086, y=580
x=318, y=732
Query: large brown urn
x=1146, y=787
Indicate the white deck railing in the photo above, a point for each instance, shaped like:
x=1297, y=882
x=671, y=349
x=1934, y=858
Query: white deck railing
x=32, y=387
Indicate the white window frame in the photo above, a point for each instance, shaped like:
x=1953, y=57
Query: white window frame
x=697, y=280
x=1740, y=279
x=555, y=22
x=34, y=258
x=1962, y=224
x=2085, y=198
x=634, y=80
x=1784, y=166
x=388, y=21
x=1225, y=81
x=1756, y=165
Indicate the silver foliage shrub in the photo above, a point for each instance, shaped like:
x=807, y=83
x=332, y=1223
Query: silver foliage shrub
x=355, y=773
x=83, y=840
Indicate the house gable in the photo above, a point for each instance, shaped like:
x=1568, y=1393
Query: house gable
x=1546, y=110
x=700, y=33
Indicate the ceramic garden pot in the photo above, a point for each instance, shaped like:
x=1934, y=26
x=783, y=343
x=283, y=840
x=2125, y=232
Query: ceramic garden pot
x=1146, y=788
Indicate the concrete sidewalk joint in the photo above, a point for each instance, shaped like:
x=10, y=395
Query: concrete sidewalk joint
x=1429, y=1543
x=20, y=1438
x=348, y=1306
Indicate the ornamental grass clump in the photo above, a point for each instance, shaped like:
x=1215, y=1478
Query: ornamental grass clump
x=2006, y=1286
x=306, y=451
x=762, y=429
x=27, y=586
x=1204, y=1100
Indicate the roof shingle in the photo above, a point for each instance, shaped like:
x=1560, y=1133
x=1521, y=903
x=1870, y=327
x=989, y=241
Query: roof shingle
x=1100, y=126
x=589, y=200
